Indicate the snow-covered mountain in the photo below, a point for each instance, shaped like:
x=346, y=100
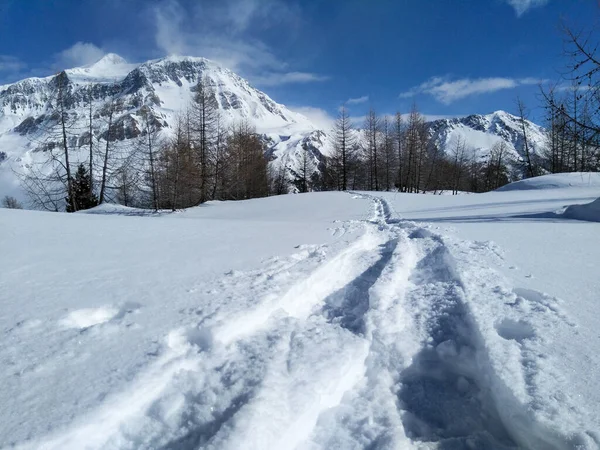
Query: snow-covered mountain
x=480, y=133
x=165, y=86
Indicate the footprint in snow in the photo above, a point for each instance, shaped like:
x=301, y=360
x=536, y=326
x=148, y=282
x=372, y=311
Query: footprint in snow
x=510, y=329
x=88, y=317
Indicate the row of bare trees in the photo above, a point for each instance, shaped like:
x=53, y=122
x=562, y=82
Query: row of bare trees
x=63, y=180
x=399, y=153
x=197, y=160
x=573, y=139
x=185, y=172
x=573, y=107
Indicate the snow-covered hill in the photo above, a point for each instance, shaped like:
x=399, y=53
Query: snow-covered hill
x=165, y=86
x=556, y=181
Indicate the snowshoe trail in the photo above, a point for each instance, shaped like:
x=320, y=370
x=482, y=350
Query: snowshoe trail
x=369, y=343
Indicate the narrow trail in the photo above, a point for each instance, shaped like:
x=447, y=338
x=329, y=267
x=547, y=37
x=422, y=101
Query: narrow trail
x=373, y=347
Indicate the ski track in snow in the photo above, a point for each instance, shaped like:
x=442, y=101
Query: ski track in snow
x=375, y=345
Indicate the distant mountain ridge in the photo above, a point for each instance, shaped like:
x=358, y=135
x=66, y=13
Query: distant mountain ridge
x=480, y=132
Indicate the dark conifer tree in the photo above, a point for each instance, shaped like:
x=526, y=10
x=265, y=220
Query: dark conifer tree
x=83, y=197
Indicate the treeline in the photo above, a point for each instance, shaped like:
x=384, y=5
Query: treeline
x=573, y=140
x=400, y=154
x=201, y=160
x=573, y=107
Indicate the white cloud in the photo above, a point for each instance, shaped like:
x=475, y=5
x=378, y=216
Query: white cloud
x=447, y=91
x=273, y=79
x=225, y=36
x=80, y=54
x=240, y=15
x=522, y=6
x=571, y=88
x=11, y=64
x=357, y=100
x=174, y=36
x=318, y=116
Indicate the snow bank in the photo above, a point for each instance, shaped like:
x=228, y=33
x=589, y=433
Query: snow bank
x=555, y=181
x=589, y=211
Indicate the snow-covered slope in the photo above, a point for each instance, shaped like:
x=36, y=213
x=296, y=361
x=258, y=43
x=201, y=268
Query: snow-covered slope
x=556, y=181
x=164, y=86
x=339, y=323
x=481, y=132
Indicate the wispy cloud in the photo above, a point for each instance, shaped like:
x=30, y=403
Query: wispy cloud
x=572, y=88
x=273, y=79
x=11, y=64
x=448, y=91
x=226, y=36
x=318, y=116
x=79, y=54
x=357, y=100
x=522, y=6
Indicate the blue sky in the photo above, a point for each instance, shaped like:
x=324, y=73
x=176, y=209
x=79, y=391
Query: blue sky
x=451, y=57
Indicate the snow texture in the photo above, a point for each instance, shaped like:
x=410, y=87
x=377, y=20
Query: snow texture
x=312, y=321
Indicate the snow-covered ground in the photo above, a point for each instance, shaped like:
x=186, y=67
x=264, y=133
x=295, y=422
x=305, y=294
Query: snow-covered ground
x=314, y=321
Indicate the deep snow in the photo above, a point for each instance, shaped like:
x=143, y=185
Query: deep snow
x=314, y=321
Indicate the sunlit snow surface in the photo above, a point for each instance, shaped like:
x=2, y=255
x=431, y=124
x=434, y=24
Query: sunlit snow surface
x=314, y=321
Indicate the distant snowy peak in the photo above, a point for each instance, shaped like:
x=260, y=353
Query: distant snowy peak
x=110, y=68
x=498, y=122
x=111, y=59
x=480, y=132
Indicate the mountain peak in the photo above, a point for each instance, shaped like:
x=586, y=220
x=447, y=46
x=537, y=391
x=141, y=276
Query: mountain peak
x=110, y=59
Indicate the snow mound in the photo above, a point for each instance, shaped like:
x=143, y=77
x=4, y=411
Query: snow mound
x=588, y=211
x=555, y=181
x=88, y=317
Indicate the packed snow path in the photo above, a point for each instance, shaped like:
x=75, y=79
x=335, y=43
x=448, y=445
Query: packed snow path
x=395, y=338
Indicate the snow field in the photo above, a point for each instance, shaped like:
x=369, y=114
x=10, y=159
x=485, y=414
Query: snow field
x=381, y=333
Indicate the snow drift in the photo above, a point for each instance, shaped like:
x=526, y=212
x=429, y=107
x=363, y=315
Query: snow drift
x=589, y=211
x=555, y=181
